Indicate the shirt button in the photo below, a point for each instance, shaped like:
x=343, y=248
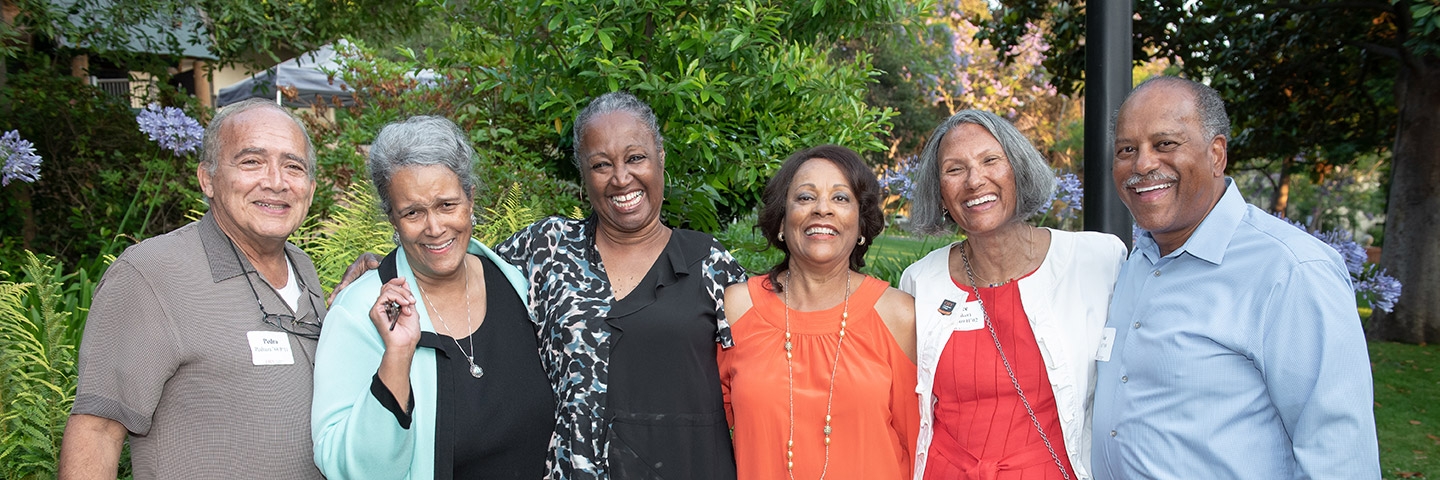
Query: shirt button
x=1137, y=324
x=1124, y=378
x=1112, y=433
x=1157, y=273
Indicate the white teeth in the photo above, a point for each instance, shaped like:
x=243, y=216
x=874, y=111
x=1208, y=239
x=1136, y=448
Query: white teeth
x=821, y=231
x=440, y=246
x=978, y=201
x=269, y=205
x=627, y=199
x=1156, y=187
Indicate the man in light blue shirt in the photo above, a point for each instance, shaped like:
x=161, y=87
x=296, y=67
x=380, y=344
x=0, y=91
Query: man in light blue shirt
x=1237, y=351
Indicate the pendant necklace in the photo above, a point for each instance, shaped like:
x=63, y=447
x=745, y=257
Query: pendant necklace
x=475, y=370
x=790, y=375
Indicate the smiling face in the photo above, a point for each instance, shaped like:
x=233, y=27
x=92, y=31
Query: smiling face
x=1167, y=170
x=432, y=215
x=977, y=183
x=822, y=214
x=624, y=172
x=261, y=189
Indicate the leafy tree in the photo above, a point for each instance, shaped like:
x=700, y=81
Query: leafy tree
x=935, y=65
x=1329, y=81
x=737, y=86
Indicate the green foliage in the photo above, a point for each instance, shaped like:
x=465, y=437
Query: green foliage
x=40, y=322
x=743, y=239
x=101, y=180
x=737, y=86
x=1274, y=64
x=137, y=33
x=506, y=217
x=510, y=147
x=355, y=226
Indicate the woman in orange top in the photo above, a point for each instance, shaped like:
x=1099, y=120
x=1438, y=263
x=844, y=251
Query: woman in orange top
x=821, y=380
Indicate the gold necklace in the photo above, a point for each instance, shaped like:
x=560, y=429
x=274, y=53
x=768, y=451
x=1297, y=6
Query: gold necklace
x=1029, y=255
x=475, y=370
x=790, y=376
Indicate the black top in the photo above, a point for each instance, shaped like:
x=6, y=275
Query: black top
x=500, y=421
x=497, y=426
x=665, y=406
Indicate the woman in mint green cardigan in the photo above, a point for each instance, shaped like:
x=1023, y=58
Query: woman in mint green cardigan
x=442, y=325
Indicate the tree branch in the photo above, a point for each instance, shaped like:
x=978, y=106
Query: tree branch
x=1381, y=6
x=1376, y=48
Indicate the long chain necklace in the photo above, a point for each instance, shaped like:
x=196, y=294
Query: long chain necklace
x=991, y=326
x=475, y=370
x=790, y=375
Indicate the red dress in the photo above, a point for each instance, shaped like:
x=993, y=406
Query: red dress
x=981, y=428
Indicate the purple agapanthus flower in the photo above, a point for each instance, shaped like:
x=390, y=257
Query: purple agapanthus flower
x=1381, y=289
x=21, y=162
x=1071, y=192
x=1373, y=284
x=900, y=180
x=1342, y=241
x=171, y=128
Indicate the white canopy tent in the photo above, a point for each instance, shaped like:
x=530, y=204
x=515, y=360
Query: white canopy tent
x=306, y=73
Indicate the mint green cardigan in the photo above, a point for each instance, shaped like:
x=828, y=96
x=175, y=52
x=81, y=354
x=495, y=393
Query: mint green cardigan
x=355, y=436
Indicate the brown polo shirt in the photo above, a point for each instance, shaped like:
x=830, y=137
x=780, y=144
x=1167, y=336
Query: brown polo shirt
x=170, y=351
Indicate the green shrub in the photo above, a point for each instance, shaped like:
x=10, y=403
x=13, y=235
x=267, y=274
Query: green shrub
x=101, y=180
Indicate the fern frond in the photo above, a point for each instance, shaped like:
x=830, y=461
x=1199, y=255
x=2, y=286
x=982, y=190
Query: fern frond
x=356, y=225
x=37, y=385
x=508, y=216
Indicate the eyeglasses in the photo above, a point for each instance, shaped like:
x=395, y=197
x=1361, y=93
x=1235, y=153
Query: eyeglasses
x=287, y=323
x=290, y=324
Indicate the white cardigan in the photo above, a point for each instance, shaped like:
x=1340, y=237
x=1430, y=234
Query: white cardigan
x=1067, y=299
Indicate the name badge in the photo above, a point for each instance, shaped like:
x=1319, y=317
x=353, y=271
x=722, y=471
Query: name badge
x=1107, y=342
x=969, y=317
x=270, y=348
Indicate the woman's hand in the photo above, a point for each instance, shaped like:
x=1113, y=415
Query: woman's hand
x=395, y=317
x=365, y=262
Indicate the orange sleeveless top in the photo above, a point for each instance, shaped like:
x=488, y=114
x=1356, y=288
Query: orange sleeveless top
x=874, y=407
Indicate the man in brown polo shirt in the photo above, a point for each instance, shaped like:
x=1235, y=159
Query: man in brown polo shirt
x=200, y=342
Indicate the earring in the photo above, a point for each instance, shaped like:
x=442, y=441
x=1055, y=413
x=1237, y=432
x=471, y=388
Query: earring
x=861, y=242
x=782, y=237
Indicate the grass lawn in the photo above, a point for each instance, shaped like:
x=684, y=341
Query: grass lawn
x=1406, y=413
x=898, y=248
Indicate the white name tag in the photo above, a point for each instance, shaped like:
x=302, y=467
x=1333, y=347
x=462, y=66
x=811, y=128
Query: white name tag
x=969, y=317
x=270, y=348
x=1107, y=342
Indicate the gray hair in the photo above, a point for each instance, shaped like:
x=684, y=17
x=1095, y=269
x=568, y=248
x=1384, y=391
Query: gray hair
x=420, y=141
x=615, y=102
x=1213, y=119
x=210, y=148
x=1034, y=181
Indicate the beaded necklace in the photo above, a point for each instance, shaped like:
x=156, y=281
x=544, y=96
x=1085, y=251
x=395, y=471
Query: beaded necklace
x=790, y=376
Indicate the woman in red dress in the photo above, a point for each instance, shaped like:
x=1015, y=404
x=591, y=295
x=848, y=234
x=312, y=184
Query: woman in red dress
x=1005, y=377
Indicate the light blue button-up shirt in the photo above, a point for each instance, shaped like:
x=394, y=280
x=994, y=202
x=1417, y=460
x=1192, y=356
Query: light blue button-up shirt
x=1238, y=355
